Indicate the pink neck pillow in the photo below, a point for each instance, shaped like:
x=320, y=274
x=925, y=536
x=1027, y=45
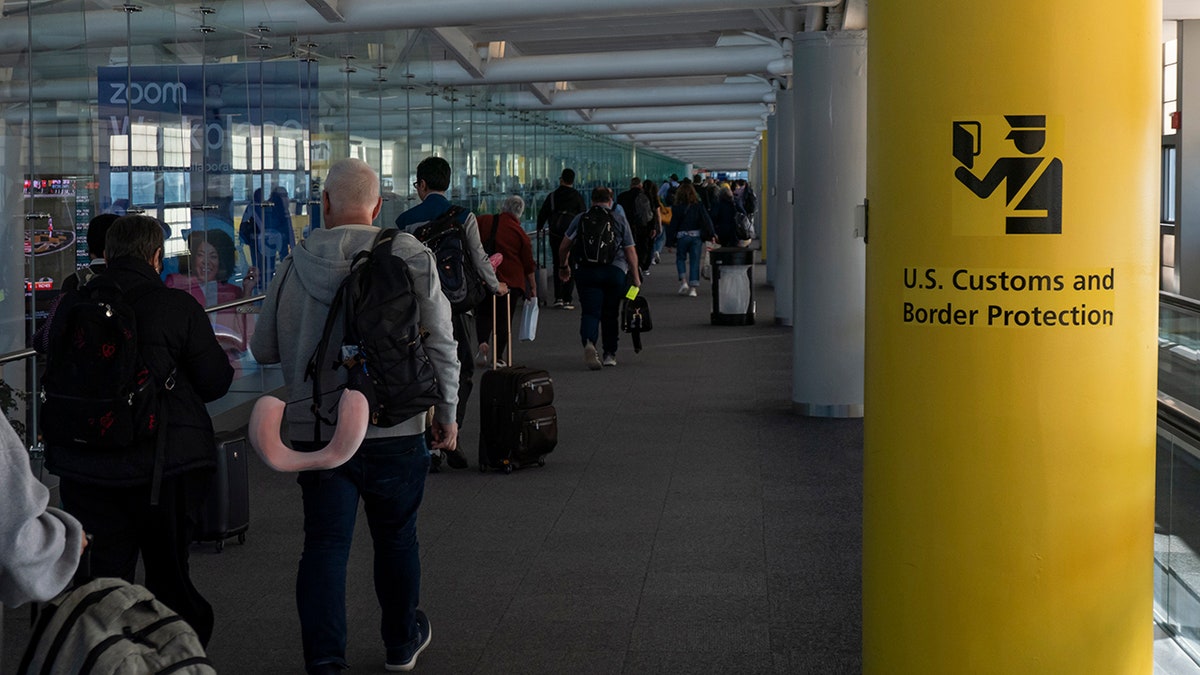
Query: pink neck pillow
x=267, y=416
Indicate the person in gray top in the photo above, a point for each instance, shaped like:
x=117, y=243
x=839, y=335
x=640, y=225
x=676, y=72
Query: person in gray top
x=388, y=471
x=39, y=544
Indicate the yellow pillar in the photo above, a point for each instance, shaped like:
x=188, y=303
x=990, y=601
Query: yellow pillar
x=1011, y=321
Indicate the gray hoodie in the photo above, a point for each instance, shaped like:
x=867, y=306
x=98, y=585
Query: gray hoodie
x=293, y=317
x=39, y=545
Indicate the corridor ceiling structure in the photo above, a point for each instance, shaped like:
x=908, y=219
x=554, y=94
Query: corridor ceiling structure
x=693, y=80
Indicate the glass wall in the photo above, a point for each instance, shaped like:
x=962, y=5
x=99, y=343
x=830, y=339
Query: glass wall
x=223, y=127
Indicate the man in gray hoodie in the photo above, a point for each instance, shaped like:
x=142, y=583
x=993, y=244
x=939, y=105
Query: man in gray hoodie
x=388, y=471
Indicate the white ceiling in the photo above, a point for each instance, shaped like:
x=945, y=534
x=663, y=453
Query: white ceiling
x=709, y=66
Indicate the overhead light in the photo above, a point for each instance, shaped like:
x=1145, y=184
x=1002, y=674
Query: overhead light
x=496, y=49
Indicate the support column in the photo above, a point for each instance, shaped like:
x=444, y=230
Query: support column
x=767, y=203
x=784, y=201
x=1187, y=224
x=1011, y=337
x=830, y=258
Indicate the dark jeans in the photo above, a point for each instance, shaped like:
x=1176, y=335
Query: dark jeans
x=123, y=524
x=562, y=289
x=389, y=475
x=483, y=320
x=464, y=335
x=600, y=291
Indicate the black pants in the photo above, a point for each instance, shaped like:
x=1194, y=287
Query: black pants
x=483, y=320
x=562, y=289
x=123, y=525
x=464, y=335
x=643, y=238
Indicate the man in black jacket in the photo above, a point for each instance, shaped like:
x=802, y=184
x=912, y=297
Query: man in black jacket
x=640, y=215
x=110, y=491
x=559, y=208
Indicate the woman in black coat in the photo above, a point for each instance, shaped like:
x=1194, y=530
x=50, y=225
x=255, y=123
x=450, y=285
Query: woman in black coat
x=724, y=217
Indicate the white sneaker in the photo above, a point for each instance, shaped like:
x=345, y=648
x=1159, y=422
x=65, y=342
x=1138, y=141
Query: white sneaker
x=683, y=288
x=691, y=291
x=590, y=358
x=609, y=360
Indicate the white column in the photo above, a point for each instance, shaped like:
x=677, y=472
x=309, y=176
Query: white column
x=784, y=201
x=770, y=186
x=829, y=252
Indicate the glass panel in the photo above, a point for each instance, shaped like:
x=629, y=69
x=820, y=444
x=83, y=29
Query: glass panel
x=1179, y=354
x=1177, y=536
x=1168, y=183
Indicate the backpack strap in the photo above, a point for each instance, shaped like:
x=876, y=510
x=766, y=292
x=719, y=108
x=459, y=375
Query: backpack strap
x=160, y=435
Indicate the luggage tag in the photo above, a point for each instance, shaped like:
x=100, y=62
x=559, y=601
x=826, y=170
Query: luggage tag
x=631, y=293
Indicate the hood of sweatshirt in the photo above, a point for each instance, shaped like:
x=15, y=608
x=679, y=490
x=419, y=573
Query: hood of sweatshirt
x=323, y=259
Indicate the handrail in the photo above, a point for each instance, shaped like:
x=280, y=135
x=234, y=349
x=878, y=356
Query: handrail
x=16, y=356
x=1180, y=301
x=232, y=304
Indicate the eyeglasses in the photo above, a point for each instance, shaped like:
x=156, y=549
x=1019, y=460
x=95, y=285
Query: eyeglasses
x=416, y=184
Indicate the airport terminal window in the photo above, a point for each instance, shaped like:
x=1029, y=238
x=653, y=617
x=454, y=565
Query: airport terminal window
x=241, y=152
x=262, y=154
x=287, y=154
x=1169, y=155
x=1170, y=85
x=180, y=219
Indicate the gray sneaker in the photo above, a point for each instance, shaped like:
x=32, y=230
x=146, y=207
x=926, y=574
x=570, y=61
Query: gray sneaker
x=590, y=358
x=609, y=360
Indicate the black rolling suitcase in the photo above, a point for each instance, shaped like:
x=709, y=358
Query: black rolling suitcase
x=518, y=425
x=226, y=511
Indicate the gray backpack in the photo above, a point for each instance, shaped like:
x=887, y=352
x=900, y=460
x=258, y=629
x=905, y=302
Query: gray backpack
x=110, y=626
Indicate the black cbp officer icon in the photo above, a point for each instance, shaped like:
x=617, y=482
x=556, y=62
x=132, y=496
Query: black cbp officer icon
x=1033, y=182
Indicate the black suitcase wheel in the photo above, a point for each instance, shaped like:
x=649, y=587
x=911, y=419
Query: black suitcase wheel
x=220, y=545
x=508, y=468
x=242, y=538
x=541, y=461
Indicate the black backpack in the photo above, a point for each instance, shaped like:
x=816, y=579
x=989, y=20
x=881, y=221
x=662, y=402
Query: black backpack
x=670, y=197
x=560, y=220
x=596, y=238
x=97, y=390
x=461, y=282
x=628, y=202
x=382, y=347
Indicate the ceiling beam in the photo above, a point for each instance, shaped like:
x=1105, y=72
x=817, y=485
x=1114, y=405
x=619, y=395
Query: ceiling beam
x=328, y=9
x=461, y=48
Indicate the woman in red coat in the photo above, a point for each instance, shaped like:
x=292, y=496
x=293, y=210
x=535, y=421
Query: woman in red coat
x=516, y=270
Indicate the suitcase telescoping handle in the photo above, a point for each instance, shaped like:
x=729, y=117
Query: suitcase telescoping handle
x=495, y=335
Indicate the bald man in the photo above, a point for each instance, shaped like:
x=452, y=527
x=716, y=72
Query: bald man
x=388, y=471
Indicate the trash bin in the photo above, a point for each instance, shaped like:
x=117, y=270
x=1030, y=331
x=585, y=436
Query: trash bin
x=732, y=286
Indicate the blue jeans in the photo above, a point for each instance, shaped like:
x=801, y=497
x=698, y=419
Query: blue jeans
x=687, y=251
x=600, y=291
x=389, y=475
